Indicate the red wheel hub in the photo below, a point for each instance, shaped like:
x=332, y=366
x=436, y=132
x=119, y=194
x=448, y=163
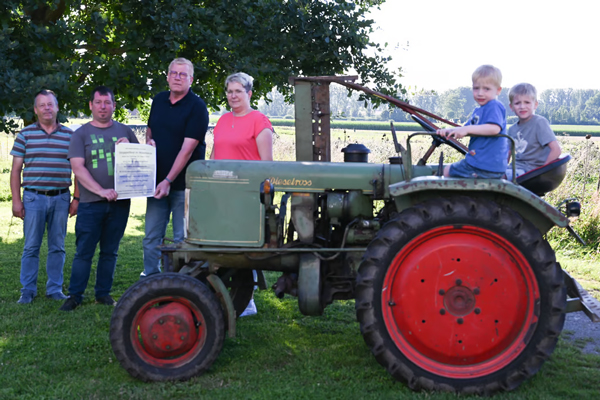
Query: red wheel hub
x=460, y=301
x=168, y=331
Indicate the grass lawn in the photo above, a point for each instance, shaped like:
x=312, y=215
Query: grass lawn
x=278, y=353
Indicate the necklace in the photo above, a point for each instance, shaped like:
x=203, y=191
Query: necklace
x=239, y=116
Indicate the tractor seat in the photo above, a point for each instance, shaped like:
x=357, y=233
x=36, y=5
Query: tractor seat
x=546, y=178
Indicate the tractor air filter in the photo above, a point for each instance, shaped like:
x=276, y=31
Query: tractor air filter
x=356, y=152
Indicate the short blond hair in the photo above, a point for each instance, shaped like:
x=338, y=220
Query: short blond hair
x=182, y=61
x=489, y=73
x=522, y=89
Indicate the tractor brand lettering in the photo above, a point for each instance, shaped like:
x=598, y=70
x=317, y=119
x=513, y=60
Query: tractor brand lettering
x=222, y=174
x=290, y=182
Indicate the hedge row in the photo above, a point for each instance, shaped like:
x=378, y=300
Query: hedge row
x=358, y=125
x=559, y=130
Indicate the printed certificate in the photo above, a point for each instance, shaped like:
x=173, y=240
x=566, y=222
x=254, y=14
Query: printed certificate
x=135, y=170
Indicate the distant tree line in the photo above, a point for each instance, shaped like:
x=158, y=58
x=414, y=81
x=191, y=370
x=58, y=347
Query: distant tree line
x=559, y=106
x=343, y=105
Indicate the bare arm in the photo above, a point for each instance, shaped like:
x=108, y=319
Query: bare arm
x=75, y=202
x=86, y=179
x=15, y=187
x=264, y=142
x=462, y=131
x=75, y=188
x=149, y=139
x=554, y=151
x=163, y=188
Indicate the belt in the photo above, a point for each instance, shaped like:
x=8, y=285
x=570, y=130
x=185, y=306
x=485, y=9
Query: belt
x=49, y=192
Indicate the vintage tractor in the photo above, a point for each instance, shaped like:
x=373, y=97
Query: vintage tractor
x=455, y=285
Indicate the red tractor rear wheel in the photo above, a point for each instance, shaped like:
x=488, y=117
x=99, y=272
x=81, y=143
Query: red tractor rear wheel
x=167, y=327
x=460, y=295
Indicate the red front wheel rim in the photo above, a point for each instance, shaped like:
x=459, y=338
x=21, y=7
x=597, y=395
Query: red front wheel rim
x=460, y=301
x=168, y=331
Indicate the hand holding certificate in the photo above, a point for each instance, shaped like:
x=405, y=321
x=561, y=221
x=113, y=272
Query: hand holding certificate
x=135, y=170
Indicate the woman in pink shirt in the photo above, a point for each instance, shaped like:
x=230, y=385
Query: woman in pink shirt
x=243, y=133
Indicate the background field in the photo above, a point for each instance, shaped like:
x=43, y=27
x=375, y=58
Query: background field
x=278, y=353
x=559, y=130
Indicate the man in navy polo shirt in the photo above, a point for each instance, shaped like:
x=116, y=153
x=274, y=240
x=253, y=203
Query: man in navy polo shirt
x=42, y=147
x=176, y=127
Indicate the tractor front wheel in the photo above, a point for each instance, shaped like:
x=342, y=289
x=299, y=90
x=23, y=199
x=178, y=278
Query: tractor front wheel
x=167, y=327
x=461, y=295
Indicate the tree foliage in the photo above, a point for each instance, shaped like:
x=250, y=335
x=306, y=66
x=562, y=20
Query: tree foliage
x=559, y=106
x=70, y=46
x=570, y=106
x=274, y=104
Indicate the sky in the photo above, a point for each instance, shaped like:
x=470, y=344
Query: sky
x=439, y=43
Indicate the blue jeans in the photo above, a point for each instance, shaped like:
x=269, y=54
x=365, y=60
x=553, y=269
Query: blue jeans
x=519, y=172
x=42, y=211
x=462, y=169
x=158, y=212
x=103, y=222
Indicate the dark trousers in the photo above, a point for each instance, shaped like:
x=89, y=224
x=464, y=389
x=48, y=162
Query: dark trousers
x=99, y=222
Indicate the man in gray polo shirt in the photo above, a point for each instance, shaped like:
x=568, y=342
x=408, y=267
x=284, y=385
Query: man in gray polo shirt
x=102, y=216
x=42, y=147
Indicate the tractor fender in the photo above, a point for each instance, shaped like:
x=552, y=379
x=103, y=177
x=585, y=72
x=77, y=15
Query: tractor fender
x=225, y=299
x=543, y=215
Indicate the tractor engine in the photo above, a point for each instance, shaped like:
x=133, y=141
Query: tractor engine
x=281, y=205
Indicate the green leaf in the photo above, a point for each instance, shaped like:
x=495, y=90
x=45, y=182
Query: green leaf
x=128, y=44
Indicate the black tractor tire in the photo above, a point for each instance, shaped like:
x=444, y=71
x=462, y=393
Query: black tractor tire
x=460, y=295
x=167, y=327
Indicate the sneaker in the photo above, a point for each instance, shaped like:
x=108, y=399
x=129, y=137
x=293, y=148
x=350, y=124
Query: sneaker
x=250, y=309
x=57, y=296
x=26, y=298
x=106, y=300
x=143, y=274
x=70, y=304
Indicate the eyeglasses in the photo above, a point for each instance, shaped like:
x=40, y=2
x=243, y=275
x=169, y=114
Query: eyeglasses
x=236, y=92
x=175, y=74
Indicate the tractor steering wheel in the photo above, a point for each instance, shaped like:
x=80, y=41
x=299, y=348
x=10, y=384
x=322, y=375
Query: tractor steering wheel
x=437, y=139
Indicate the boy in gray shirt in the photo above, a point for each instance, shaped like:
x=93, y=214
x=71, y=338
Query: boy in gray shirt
x=535, y=142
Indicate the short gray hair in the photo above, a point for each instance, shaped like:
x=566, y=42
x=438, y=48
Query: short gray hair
x=242, y=78
x=522, y=89
x=182, y=61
